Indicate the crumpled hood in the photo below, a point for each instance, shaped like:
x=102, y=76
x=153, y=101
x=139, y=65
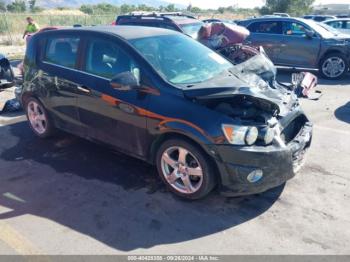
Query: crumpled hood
x=255, y=78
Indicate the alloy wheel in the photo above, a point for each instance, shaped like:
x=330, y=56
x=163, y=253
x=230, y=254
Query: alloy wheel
x=182, y=170
x=333, y=67
x=37, y=117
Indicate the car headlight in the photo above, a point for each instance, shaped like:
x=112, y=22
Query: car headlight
x=240, y=135
x=266, y=134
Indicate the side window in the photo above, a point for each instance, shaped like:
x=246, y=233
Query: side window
x=294, y=29
x=335, y=24
x=266, y=27
x=106, y=59
x=347, y=25
x=62, y=51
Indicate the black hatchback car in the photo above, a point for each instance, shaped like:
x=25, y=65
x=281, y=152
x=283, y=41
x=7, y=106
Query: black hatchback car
x=160, y=96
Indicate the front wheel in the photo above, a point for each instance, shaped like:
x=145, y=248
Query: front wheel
x=38, y=118
x=333, y=66
x=185, y=169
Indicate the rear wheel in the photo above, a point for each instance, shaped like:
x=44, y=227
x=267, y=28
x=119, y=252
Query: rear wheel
x=185, y=169
x=333, y=66
x=38, y=118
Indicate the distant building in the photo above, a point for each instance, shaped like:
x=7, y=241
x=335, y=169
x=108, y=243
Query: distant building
x=332, y=9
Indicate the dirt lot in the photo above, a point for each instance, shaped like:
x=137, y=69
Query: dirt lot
x=69, y=196
x=15, y=50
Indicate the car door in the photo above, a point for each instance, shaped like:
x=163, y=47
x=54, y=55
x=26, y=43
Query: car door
x=108, y=114
x=266, y=34
x=57, y=79
x=298, y=49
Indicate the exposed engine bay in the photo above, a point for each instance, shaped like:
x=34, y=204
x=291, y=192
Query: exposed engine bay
x=252, y=97
x=244, y=109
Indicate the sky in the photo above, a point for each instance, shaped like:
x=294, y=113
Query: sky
x=242, y=3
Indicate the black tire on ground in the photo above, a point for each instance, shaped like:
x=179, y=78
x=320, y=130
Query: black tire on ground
x=209, y=176
x=333, y=55
x=49, y=126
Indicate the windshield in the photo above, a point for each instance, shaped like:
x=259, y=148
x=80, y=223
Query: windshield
x=191, y=29
x=180, y=59
x=329, y=28
x=319, y=29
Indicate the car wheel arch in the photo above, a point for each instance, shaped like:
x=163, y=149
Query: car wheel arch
x=178, y=135
x=332, y=51
x=25, y=96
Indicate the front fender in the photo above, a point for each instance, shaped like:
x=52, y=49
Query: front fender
x=187, y=129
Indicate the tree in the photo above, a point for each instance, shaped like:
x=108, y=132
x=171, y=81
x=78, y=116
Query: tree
x=170, y=8
x=102, y=8
x=18, y=6
x=294, y=7
x=87, y=9
x=32, y=5
x=189, y=7
x=196, y=9
x=2, y=6
x=221, y=10
x=124, y=9
x=301, y=7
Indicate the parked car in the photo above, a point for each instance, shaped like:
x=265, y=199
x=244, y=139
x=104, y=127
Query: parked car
x=174, y=21
x=333, y=30
x=7, y=78
x=296, y=42
x=319, y=18
x=341, y=24
x=281, y=14
x=163, y=97
x=215, y=20
x=343, y=16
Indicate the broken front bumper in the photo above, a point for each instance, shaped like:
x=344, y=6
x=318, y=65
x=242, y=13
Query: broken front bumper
x=277, y=164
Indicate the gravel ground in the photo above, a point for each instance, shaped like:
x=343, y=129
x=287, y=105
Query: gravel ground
x=13, y=51
x=69, y=196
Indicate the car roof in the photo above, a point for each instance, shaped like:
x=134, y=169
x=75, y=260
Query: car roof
x=179, y=19
x=123, y=31
x=338, y=19
x=183, y=19
x=275, y=18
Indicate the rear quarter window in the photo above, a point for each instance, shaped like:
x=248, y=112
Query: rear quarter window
x=62, y=51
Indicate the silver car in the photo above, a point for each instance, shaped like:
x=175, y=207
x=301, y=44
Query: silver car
x=341, y=24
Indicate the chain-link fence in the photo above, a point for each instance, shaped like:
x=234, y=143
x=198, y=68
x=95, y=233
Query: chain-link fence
x=12, y=26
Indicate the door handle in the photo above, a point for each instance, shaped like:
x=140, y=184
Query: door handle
x=84, y=89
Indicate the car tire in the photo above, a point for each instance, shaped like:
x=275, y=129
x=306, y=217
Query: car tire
x=38, y=118
x=340, y=66
x=185, y=169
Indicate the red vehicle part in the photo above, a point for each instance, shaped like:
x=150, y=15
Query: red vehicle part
x=221, y=35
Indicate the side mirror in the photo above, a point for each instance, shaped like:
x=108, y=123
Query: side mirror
x=126, y=81
x=309, y=34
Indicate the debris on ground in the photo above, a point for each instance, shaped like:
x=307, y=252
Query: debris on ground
x=12, y=105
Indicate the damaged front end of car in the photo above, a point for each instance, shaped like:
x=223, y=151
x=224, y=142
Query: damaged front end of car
x=265, y=131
